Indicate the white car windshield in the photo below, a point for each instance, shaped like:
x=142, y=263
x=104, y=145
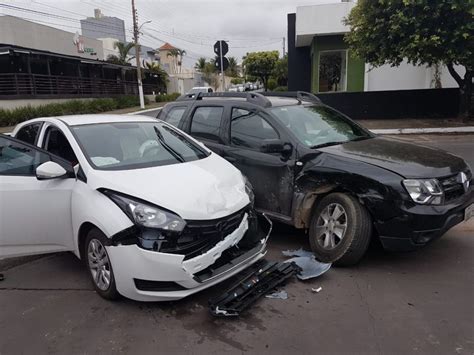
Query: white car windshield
x=134, y=145
x=319, y=125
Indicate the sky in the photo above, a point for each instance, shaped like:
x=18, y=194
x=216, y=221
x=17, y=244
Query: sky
x=192, y=25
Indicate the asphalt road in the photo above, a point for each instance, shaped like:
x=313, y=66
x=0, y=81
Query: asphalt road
x=419, y=303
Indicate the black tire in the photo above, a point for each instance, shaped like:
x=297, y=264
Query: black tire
x=106, y=291
x=355, y=240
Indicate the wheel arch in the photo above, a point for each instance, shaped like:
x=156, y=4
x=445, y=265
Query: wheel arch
x=307, y=202
x=84, y=229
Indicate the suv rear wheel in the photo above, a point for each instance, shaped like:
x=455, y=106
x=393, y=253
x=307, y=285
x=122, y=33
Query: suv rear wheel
x=340, y=230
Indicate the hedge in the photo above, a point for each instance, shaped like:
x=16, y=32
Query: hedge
x=72, y=107
x=167, y=97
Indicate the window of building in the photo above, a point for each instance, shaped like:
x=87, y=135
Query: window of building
x=206, y=122
x=332, y=71
x=248, y=129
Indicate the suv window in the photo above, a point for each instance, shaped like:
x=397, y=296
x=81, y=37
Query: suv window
x=175, y=115
x=29, y=133
x=57, y=143
x=206, y=122
x=19, y=159
x=248, y=129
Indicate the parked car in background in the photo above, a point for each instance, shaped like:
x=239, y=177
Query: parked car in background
x=200, y=89
x=234, y=88
x=314, y=168
x=153, y=213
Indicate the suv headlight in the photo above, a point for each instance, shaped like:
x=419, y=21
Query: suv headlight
x=424, y=191
x=146, y=215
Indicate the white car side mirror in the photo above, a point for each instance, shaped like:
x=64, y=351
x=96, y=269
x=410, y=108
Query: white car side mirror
x=50, y=170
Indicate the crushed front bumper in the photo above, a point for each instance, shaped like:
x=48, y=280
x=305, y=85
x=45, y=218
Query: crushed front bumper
x=146, y=275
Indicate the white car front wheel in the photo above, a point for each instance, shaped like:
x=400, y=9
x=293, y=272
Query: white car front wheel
x=99, y=265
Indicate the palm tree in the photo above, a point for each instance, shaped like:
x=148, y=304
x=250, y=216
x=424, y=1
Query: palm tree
x=233, y=69
x=155, y=69
x=200, y=64
x=178, y=54
x=122, y=58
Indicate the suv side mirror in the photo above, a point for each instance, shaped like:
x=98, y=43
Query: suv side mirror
x=276, y=146
x=50, y=170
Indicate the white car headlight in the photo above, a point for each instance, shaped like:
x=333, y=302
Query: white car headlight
x=147, y=215
x=424, y=191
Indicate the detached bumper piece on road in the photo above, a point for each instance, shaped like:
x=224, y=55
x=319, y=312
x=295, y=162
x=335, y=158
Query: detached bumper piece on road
x=255, y=282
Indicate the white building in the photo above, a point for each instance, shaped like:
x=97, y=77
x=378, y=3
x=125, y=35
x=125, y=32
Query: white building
x=320, y=61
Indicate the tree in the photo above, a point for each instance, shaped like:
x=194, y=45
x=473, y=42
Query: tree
x=280, y=73
x=122, y=58
x=210, y=76
x=178, y=55
x=422, y=32
x=160, y=75
x=233, y=69
x=200, y=64
x=260, y=64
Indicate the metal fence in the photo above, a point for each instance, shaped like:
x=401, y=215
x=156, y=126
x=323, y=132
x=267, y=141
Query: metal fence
x=22, y=86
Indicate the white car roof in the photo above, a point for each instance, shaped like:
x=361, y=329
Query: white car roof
x=77, y=120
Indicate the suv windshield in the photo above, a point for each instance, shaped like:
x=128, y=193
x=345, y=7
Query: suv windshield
x=133, y=145
x=319, y=125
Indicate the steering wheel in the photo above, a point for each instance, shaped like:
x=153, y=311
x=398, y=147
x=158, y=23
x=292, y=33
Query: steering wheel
x=324, y=132
x=149, y=148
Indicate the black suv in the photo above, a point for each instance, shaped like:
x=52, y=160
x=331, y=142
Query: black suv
x=314, y=168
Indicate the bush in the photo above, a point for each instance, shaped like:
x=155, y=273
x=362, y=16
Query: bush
x=73, y=107
x=281, y=88
x=167, y=97
x=271, y=84
x=235, y=81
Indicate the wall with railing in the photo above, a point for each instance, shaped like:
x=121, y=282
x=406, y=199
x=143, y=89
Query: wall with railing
x=24, y=86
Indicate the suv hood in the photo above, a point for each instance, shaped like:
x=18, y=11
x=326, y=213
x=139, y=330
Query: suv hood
x=204, y=189
x=406, y=159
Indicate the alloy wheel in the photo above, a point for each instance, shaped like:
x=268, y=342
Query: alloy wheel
x=99, y=264
x=331, y=226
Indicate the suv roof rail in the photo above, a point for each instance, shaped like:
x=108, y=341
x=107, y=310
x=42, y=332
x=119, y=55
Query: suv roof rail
x=298, y=95
x=251, y=97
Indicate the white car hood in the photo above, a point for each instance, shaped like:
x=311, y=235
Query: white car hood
x=203, y=189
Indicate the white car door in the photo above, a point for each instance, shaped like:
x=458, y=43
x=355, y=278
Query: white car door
x=35, y=215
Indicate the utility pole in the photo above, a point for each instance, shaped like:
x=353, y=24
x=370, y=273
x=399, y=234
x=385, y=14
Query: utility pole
x=137, y=54
x=284, y=48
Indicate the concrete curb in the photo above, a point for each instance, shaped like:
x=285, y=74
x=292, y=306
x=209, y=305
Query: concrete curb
x=443, y=130
x=144, y=111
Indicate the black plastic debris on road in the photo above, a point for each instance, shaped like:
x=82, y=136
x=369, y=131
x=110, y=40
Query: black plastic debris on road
x=310, y=267
x=2, y=277
x=255, y=282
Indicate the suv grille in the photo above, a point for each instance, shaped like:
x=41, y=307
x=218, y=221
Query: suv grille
x=200, y=236
x=452, y=187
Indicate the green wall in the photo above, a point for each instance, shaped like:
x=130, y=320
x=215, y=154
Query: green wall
x=355, y=66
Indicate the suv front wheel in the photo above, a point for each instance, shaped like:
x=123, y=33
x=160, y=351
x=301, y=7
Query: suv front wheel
x=340, y=230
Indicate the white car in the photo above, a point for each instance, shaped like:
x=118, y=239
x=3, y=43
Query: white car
x=153, y=213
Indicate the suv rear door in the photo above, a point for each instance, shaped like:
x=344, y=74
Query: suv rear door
x=206, y=124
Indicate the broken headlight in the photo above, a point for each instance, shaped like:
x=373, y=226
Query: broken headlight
x=145, y=214
x=424, y=191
